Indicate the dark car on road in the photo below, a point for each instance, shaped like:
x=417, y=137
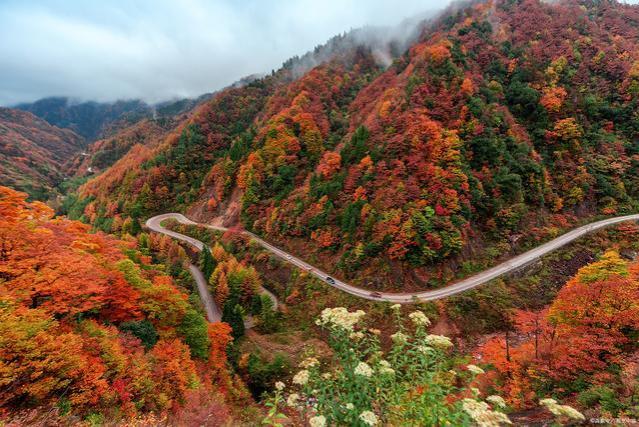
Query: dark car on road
x=375, y=294
x=330, y=280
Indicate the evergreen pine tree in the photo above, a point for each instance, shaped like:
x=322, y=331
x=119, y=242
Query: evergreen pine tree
x=207, y=263
x=268, y=316
x=232, y=314
x=136, y=228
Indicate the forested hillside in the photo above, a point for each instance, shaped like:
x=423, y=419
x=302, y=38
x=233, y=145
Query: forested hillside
x=103, y=153
x=95, y=327
x=32, y=152
x=89, y=119
x=95, y=120
x=571, y=346
x=504, y=122
x=395, y=160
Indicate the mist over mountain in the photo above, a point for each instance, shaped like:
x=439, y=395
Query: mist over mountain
x=158, y=50
x=94, y=119
x=426, y=224
x=88, y=119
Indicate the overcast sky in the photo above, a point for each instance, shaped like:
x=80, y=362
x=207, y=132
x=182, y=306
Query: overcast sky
x=160, y=49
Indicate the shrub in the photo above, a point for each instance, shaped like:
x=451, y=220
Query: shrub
x=194, y=329
x=144, y=330
x=410, y=384
x=603, y=396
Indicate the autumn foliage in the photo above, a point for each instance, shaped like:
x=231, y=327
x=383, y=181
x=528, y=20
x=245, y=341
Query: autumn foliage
x=33, y=152
x=588, y=328
x=502, y=122
x=84, y=327
x=500, y=118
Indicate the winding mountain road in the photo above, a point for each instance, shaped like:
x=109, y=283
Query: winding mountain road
x=403, y=298
x=213, y=312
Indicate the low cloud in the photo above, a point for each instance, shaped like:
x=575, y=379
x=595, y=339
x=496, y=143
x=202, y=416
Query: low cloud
x=158, y=50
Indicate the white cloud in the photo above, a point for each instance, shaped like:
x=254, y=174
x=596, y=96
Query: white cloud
x=156, y=50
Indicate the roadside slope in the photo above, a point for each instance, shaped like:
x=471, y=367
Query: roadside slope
x=485, y=276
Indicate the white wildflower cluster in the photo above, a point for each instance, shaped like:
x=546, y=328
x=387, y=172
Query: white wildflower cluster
x=438, y=341
x=385, y=368
x=475, y=369
x=424, y=349
x=369, y=418
x=292, y=400
x=419, y=318
x=317, y=421
x=301, y=378
x=350, y=406
x=399, y=337
x=482, y=415
x=279, y=385
x=562, y=410
x=396, y=307
x=364, y=370
x=309, y=362
x=496, y=400
x=356, y=336
x=339, y=317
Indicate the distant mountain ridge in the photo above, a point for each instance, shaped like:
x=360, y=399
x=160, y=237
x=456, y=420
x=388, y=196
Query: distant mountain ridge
x=98, y=120
x=93, y=119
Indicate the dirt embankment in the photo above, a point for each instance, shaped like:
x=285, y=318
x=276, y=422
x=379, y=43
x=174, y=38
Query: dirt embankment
x=226, y=214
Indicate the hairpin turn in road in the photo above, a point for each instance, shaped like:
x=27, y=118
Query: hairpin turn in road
x=402, y=298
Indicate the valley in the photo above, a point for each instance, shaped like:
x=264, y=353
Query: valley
x=433, y=221
x=520, y=261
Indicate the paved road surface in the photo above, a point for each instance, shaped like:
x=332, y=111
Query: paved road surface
x=213, y=312
x=403, y=298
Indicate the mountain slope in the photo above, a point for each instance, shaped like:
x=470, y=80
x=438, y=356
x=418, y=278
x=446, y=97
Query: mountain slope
x=32, y=152
x=90, y=324
x=504, y=122
x=95, y=120
x=103, y=153
x=89, y=119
